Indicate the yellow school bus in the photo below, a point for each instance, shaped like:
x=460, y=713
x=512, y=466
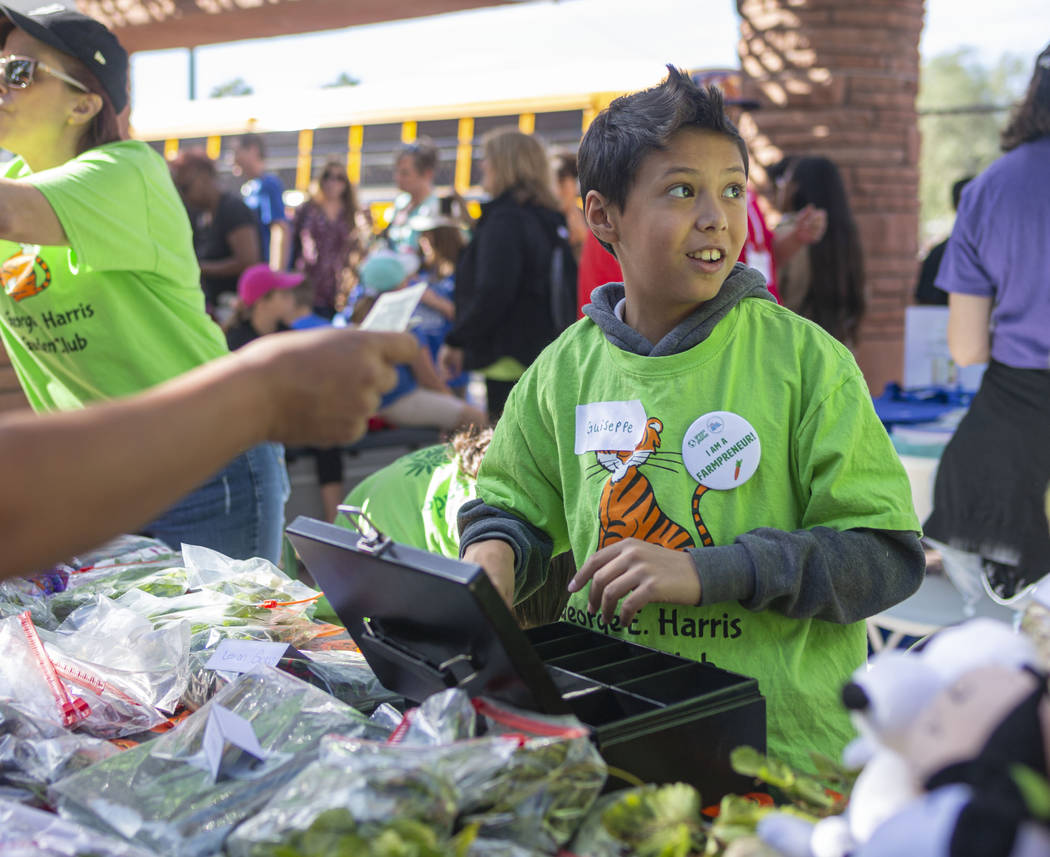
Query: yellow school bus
x=365, y=139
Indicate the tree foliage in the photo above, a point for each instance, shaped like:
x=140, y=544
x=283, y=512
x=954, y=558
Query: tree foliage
x=343, y=79
x=963, y=104
x=237, y=86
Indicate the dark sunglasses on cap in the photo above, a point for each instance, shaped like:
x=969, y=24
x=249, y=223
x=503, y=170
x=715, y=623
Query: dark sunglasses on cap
x=17, y=72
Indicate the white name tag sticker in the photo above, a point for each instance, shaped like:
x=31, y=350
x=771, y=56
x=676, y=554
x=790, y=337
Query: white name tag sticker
x=614, y=426
x=241, y=656
x=392, y=310
x=721, y=450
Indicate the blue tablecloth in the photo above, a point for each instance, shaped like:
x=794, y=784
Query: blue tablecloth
x=909, y=407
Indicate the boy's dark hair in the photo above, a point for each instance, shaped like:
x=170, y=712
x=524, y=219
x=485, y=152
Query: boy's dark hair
x=252, y=141
x=1031, y=119
x=622, y=135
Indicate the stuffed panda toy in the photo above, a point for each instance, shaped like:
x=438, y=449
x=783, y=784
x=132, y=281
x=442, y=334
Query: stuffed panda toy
x=947, y=734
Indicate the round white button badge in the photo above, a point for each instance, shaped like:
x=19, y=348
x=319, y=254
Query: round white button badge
x=721, y=450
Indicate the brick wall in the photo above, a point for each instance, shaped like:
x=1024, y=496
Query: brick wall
x=839, y=78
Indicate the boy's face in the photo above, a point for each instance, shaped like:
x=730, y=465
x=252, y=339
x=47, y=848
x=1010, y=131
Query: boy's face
x=681, y=228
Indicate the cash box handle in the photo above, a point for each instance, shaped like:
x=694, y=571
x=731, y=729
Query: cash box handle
x=372, y=540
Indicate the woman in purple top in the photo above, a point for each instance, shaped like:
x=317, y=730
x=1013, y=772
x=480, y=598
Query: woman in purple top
x=325, y=235
x=988, y=497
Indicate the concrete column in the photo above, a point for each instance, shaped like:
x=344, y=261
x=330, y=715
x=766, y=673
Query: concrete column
x=839, y=78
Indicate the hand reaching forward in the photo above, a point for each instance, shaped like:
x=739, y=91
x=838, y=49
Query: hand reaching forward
x=319, y=387
x=641, y=571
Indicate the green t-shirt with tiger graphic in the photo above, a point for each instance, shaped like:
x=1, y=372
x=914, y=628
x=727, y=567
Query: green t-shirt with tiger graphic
x=118, y=310
x=766, y=392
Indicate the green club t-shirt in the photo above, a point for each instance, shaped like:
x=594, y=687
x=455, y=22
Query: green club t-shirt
x=118, y=310
x=823, y=460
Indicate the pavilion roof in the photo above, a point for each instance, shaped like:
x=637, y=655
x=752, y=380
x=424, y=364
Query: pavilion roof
x=157, y=24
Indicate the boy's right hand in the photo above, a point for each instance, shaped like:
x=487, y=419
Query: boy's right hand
x=639, y=573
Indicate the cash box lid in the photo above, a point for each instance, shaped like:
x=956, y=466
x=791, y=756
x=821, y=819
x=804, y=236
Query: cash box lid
x=424, y=622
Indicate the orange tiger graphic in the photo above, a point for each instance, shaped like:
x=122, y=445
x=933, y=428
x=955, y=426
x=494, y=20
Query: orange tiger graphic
x=19, y=277
x=628, y=506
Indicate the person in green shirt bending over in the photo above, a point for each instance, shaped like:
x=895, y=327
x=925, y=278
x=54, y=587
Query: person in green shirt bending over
x=713, y=460
x=416, y=499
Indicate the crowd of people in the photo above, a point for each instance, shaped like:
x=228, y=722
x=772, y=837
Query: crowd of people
x=703, y=446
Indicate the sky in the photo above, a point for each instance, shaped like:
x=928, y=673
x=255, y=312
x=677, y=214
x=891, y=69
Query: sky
x=521, y=49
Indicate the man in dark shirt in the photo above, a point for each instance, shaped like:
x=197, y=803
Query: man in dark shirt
x=225, y=231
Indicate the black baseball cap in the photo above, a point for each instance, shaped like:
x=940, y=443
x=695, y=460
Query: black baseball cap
x=79, y=36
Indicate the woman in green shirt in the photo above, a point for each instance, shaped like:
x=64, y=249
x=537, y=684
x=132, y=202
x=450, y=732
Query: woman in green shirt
x=101, y=296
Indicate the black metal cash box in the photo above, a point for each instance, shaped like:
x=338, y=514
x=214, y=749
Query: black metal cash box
x=426, y=623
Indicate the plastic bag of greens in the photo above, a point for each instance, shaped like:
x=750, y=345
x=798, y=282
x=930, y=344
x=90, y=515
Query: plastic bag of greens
x=335, y=833
x=542, y=795
x=110, y=570
x=204, y=683
x=24, y=683
x=441, y=718
x=138, y=662
x=343, y=673
x=114, y=582
x=530, y=779
x=124, y=551
x=504, y=787
x=247, y=581
x=209, y=608
x=110, y=665
x=33, y=594
x=163, y=794
x=35, y=753
x=27, y=832
x=353, y=794
x=201, y=609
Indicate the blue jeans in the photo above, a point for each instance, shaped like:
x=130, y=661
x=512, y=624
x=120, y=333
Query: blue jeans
x=238, y=512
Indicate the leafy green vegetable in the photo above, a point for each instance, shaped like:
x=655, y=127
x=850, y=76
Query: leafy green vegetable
x=657, y=821
x=811, y=795
x=335, y=833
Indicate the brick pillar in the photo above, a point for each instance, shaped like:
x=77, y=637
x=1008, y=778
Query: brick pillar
x=839, y=78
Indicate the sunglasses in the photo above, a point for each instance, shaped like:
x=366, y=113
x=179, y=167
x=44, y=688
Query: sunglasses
x=17, y=72
x=333, y=176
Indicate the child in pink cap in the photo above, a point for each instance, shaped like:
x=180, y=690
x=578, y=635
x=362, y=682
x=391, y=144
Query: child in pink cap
x=266, y=303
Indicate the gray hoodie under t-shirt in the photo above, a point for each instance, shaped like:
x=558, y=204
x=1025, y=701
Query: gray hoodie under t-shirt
x=838, y=576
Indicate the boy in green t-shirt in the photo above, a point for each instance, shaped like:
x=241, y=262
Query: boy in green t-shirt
x=713, y=460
